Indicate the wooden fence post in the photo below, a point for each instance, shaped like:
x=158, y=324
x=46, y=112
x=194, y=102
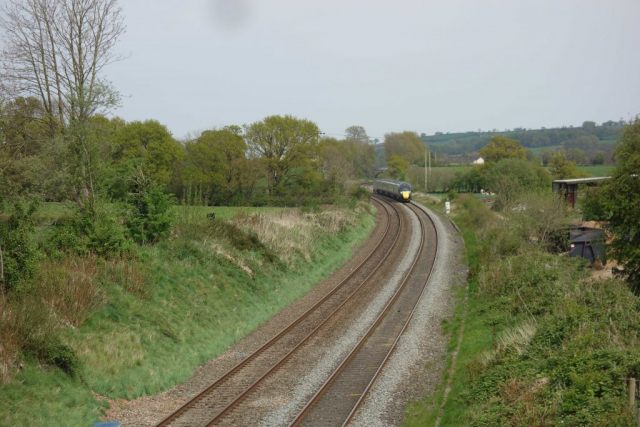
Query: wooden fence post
x=632, y=394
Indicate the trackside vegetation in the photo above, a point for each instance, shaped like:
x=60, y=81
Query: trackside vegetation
x=544, y=343
x=96, y=330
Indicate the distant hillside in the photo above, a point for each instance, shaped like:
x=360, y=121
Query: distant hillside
x=589, y=138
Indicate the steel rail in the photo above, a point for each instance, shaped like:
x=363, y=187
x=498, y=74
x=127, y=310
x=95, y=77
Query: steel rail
x=318, y=395
x=280, y=362
x=383, y=203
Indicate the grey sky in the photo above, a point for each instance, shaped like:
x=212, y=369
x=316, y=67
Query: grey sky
x=431, y=65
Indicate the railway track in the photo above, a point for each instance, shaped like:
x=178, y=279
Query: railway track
x=218, y=399
x=338, y=400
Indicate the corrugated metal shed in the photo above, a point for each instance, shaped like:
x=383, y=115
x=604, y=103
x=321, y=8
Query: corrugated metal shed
x=588, y=243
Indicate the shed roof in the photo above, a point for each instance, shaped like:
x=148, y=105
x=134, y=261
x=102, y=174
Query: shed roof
x=582, y=180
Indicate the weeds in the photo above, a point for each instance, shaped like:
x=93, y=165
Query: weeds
x=70, y=289
x=543, y=345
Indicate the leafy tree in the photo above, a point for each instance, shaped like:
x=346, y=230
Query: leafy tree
x=357, y=132
x=500, y=147
x=285, y=145
x=336, y=166
x=561, y=168
x=407, y=145
x=598, y=158
x=511, y=177
x=215, y=161
x=621, y=197
x=148, y=144
x=398, y=167
x=472, y=180
x=575, y=155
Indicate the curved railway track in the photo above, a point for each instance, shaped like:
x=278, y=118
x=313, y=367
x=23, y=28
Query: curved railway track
x=218, y=399
x=338, y=400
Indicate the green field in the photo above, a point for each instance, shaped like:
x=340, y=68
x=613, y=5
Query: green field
x=602, y=170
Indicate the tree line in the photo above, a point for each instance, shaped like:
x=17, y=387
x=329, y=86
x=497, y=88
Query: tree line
x=588, y=139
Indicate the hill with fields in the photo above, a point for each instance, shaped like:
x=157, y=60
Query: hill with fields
x=594, y=142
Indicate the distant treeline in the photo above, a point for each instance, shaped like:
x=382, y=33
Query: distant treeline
x=587, y=138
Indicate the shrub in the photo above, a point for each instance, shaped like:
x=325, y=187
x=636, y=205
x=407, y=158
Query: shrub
x=18, y=262
x=149, y=211
x=93, y=228
x=592, y=205
x=360, y=193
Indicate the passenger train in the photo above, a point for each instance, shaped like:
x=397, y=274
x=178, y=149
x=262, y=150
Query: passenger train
x=398, y=190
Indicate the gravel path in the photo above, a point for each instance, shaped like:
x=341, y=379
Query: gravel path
x=417, y=365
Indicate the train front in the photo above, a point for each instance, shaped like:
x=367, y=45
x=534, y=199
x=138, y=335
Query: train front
x=405, y=191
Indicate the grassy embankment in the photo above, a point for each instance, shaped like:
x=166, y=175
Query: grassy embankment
x=150, y=320
x=543, y=343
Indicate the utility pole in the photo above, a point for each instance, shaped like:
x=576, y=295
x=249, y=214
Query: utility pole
x=425, y=169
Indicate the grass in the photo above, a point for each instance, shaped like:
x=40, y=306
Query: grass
x=209, y=285
x=601, y=170
x=477, y=338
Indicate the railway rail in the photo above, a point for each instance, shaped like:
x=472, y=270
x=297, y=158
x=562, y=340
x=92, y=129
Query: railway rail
x=338, y=400
x=218, y=399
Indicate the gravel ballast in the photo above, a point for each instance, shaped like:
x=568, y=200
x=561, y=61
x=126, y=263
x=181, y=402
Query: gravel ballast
x=306, y=385
x=417, y=365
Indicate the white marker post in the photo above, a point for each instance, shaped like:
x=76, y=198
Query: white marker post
x=447, y=207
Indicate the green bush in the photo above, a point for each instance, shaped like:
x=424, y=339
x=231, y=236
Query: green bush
x=359, y=193
x=149, y=211
x=19, y=254
x=562, y=344
x=592, y=205
x=94, y=227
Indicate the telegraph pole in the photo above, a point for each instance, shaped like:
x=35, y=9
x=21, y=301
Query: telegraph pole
x=425, y=169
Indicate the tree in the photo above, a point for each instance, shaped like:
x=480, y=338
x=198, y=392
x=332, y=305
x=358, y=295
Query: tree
x=148, y=144
x=500, y=147
x=407, y=145
x=598, y=158
x=214, y=162
x=357, y=132
x=398, y=167
x=56, y=50
x=336, y=166
x=576, y=155
x=561, y=168
x=621, y=197
x=285, y=145
x=511, y=177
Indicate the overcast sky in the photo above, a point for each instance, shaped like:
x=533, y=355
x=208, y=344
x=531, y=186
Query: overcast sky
x=426, y=66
